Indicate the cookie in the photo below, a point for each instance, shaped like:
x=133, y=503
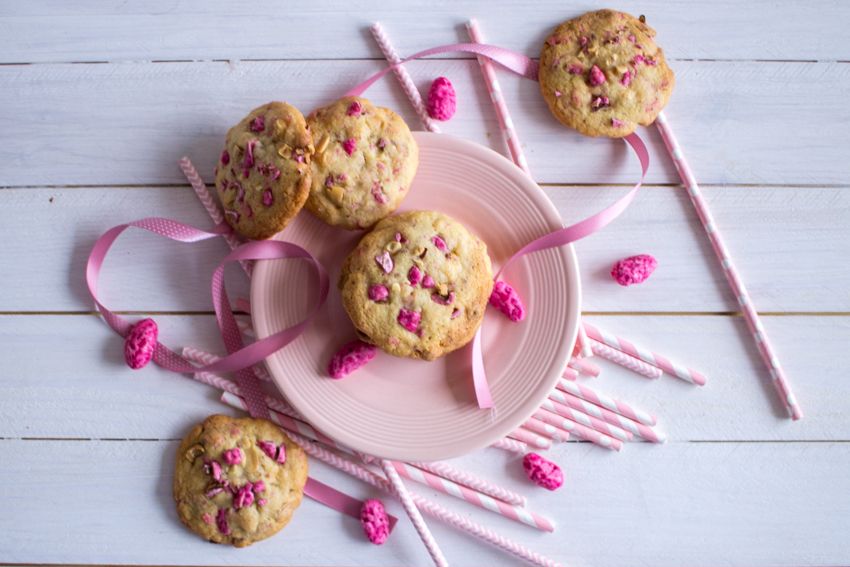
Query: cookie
x=263, y=174
x=417, y=285
x=365, y=161
x=602, y=74
x=238, y=481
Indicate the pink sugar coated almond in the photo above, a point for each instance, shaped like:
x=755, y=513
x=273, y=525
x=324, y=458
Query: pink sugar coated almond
x=505, y=299
x=378, y=292
x=385, y=262
x=351, y=357
x=268, y=448
x=221, y=520
x=349, y=146
x=232, y=456
x=355, y=109
x=634, y=269
x=409, y=319
x=376, y=524
x=597, y=77
x=440, y=243
x=442, y=99
x=542, y=472
x=414, y=276
x=428, y=282
x=140, y=344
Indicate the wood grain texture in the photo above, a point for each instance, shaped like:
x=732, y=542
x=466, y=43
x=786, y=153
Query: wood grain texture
x=709, y=498
x=789, y=244
x=128, y=123
x=56, y=31
x=84, y=389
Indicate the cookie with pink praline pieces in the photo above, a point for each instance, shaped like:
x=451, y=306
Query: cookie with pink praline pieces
x=364, y=163
x=417, y=286
x=263, y=174
x=602, y=74
x=238, y=481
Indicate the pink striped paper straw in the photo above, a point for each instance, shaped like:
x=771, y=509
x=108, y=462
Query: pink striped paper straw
x=586, y=433
x=473, y=482
x=570, y=374
x=555, y=433
x=403, y=77
x=583, y=366
x=610, y=417
x=211, y=207
x=625, y=360
x=202, y=357
x=511, y=445
x=473, y=497
x=245, y=327
x=413, y=513
x=530, y=438
x=505, y=122
x=587, y=420
x=586, y=350
x=424, y=504
x=645, y=355
x=732, y=276
x=606, y=402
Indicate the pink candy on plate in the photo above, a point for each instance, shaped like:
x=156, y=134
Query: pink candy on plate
x=442, y=99
x=505, y=299
x=542, y=472
x=634, y=269
x=376, y=524
x=351, y=357
x=140, y=344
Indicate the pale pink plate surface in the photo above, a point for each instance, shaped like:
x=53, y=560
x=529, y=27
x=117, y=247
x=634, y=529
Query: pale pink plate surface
x=411, y=410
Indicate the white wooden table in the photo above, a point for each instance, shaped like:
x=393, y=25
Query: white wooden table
x=100, y=100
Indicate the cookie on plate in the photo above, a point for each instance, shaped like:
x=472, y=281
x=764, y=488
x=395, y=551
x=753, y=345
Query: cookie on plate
x=417, y=285
x=602, y=74
x=238, y=481
x=263, y=174
x=365, y=161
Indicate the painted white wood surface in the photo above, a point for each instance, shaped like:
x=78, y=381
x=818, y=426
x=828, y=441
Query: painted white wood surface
x=759, y=107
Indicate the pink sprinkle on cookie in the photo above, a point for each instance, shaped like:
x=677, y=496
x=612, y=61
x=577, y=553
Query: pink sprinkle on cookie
x=355, y=109
x=443, y=300
x=244, y=497
x=259, y=124
x=349, y=145
x=268, y=199
x=505, y=299
x=376, y=524
x=558, y=94
x=248, y=160
x=140, y=344
x=428, y=282
x=627, y=79
x=261, y=502
x=281, y=454
x=259, y=486
x=442, y=99
x=225, y=157
x=378, y=292
x=414, y=276
x=222, y=522
x=216, y=471
x=232, y=456
x=439, y=243
x=409, y=319
x=597, y=77
x=576, y=69
x=385, y=262
x=268, y=448
x=542, y=472
x=349, y=358
x=634, y=269
x=616, y=123
x=456, y=313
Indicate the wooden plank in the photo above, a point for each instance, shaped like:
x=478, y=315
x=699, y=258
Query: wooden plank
x=684, y=503
x=165, y=30
x=789, y=244
x=82, y=389
x=127, y=124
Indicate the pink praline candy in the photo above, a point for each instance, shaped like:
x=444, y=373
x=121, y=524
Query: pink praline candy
x=378, y=292
x=409, y=319
x=442, y=99
x=232, y=456
x=349, y=358
x=597, y=77
x=385, y=262
x=268, y=448
x=140, y=344
x=349, y=146
x=428, y=282
x=221, y=520
x=542, y=472
x=376, y=524
x=414, y=275
x=505, y=299
x=634, y=269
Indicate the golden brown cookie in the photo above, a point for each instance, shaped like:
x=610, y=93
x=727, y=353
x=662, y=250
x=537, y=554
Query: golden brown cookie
x=365, y=161
x=263, y=174
x=238, y=481
x=602, y=74
x=417, y=285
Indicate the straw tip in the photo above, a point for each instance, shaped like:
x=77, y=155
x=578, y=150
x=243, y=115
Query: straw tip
x=470, y=23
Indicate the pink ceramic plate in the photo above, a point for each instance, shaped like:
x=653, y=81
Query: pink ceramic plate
x=412, y=410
